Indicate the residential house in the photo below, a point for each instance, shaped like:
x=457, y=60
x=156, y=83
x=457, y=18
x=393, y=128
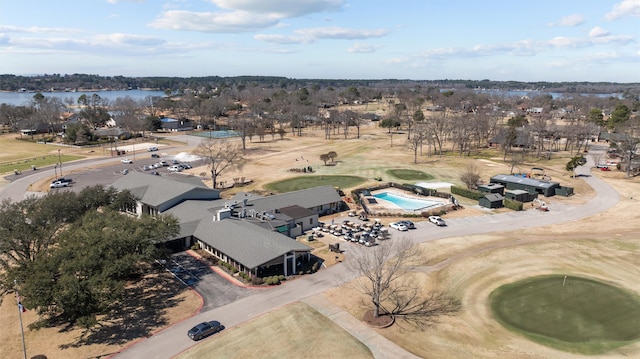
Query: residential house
x=174, y=125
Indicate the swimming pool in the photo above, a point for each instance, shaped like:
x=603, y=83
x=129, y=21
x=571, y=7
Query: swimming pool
x=407, y=203
x=217, y=134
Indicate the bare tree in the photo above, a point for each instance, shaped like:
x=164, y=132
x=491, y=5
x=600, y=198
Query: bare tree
x=470, y=176
x=220, y=155
x=383, y=272
x=414, y=143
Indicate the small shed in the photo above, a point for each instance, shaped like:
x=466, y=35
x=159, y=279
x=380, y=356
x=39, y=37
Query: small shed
x=491, y=188
x=491, y=200
x=520, y=195
x=564, y=191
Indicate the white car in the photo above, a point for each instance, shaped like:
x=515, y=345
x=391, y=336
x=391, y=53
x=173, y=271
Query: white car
x=398, y=226
x=126, y=160
x=152, y=149
x=437, y=221
x=174, y=169
x=59, y=184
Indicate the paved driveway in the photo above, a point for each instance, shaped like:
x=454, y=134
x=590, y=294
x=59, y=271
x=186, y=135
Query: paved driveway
x=215, y=290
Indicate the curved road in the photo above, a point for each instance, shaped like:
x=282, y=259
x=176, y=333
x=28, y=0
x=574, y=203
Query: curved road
x=173, y=340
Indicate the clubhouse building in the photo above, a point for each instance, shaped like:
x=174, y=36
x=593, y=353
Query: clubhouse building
x=251, y=232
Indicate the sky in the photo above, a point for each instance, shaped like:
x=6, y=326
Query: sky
x=506, y=40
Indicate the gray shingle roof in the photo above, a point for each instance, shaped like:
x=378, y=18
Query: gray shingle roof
x=245, y=242
x=307, y=198
x=526, y=181
x=157, y=191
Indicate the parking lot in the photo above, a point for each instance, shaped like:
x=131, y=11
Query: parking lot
x=107, y=174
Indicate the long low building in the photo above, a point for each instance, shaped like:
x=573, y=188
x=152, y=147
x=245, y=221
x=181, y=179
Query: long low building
x=251, y=232
x=531, y=185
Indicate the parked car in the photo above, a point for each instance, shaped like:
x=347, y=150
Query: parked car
x=399, y=226
x=204, y=329
x=152, y=149
x=174, y=161
x=62, y=179
x=155, y=155
x=147, y=168
x=126, y=160
x=155, y=173
x=186, y=166
x=163, y=163
x=605, y=169
x=59, y=184
x=174, y=169
x=408, y=224
x=437, y=221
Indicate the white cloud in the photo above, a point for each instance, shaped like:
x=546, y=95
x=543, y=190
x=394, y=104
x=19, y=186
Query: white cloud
x=624, y=8
x=570, y=21
x=341, y=33
x=238, y=21
x=242, y=15
x=283, y=8
x=282, y=39
x=598, y=32
x=38, y=30
x=119, y=39
x=361, y=48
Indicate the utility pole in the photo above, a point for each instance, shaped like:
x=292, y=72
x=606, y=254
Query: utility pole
x=20, y=309
x=60, y=162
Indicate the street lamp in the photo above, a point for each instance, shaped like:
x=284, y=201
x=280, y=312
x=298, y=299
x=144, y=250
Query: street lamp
x=55, y=170
x=20, y=310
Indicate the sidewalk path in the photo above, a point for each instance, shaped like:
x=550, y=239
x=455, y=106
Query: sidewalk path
x=381, y=347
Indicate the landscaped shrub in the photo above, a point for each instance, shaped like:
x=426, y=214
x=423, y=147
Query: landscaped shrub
x=476, y=195
x=195, y=246
x=273, y=280
x=513, y=204
x=281, y=277
x=257, y=281
x=315, y=267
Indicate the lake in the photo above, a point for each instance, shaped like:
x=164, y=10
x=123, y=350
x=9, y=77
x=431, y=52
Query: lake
x=23, y=98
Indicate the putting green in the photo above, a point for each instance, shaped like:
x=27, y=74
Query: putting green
x=573, y=314
x=304, y=182
x=409, y=175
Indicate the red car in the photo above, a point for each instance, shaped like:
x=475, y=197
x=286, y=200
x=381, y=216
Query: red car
x=605, y=169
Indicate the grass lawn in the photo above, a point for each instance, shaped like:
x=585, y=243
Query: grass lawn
x=583, y=315
x=295, y=331
x=304, y=182
x=409, y=175
x=20, y=155
x=38, y=162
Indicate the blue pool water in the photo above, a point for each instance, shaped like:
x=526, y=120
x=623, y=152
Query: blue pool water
x=216, y=134
x=406, y=203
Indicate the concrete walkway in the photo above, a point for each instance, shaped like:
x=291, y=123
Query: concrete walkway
x=381, y=347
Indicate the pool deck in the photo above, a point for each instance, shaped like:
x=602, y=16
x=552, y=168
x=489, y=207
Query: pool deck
x=383, y=206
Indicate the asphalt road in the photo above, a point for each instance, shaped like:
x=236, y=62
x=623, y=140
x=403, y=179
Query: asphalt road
x=173, y=340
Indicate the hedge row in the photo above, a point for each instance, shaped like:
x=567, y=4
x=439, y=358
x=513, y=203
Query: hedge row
x=513, y=204
x=466, y=192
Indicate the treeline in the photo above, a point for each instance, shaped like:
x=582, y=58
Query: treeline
x=48, y=82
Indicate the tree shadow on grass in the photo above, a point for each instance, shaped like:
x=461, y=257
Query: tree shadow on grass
x=140, y=313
